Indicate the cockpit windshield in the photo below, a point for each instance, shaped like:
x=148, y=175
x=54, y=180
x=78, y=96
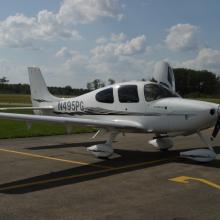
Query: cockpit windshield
x=154, y=92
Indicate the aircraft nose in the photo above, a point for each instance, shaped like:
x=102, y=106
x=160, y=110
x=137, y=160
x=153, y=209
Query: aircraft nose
x=214, y=111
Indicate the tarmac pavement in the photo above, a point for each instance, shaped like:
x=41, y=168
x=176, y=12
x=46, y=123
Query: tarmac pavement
x=56, y=178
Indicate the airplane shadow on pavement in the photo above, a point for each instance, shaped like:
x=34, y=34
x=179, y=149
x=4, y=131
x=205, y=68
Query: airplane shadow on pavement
x=125, y=161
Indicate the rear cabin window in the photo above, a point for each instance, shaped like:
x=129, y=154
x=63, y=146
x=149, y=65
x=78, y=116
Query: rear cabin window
x=105, y=96
x=128, y=94
x=154, y=92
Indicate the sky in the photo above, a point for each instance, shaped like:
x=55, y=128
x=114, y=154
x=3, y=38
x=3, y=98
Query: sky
x=77, y=41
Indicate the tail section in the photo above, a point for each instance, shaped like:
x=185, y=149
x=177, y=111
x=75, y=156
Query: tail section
x=39, y=90
x=163, y=74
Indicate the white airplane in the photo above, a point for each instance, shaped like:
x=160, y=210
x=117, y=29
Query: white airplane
x=135, y=106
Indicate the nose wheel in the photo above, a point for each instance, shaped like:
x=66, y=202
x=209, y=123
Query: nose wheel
x=201, y=155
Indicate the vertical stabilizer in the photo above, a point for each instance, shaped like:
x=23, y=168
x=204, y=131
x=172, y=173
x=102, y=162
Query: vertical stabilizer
x=39, y=90
x=163, y=74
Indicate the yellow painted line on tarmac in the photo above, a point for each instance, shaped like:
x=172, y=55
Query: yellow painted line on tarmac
x=53, y=158
x=185, y=180
x=81, y=175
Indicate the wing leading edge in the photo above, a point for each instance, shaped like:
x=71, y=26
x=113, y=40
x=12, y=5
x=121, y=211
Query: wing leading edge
x=27, y=108
x=118, y=124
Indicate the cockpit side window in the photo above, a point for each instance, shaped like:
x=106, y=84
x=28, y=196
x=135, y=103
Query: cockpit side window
x=105, y=96
x=154, y=92
x=128, y=94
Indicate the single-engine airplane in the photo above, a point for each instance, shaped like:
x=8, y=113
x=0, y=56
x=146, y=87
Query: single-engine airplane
x=135, y=106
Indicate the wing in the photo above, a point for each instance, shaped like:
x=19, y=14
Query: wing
x=118, y=124
x=27, y=108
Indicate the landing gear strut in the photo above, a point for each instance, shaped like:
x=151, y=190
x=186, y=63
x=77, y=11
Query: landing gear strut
x=103, y=150
x=201, y=155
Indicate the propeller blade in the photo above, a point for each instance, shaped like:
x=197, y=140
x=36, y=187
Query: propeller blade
x=216, y=129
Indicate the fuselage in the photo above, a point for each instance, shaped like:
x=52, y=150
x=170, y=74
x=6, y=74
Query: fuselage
x=158, y=109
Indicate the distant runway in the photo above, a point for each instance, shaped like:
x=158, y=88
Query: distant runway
x=56, y=178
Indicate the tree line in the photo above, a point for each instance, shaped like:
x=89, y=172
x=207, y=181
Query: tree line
x=25, y=89
x=189, y=83
x=98, y=83
x=196, y=83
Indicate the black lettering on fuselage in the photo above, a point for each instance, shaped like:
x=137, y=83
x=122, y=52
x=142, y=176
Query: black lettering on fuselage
x=81, y=106
x=70, y=106
x=77, y=105
x=60, y=107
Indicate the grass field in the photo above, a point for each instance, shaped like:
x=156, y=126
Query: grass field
x=15, y=129
x=215, y=100
x=13, y=98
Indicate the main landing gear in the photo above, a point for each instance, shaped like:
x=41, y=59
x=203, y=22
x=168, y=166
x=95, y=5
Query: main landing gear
x=201, y=155
x=103, y=150
x=162, y=143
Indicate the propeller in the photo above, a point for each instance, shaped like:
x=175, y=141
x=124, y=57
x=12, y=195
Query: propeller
x=217, y=125
x=216, y=128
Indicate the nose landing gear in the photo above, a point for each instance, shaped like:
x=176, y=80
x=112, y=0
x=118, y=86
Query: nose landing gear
x=200, y=155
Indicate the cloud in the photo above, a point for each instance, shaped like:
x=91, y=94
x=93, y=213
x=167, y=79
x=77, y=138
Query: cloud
x=207, y=58
x=64, y=52
x=86, y=11
x=110, y=59
x=22, y=31
x=26, y=32
x=114, y=38
x=101, y=40
x=182, y=37
x=127, y=48
x=77, y=61
x=48, y=26
x=118, y=37
x=136, y=45
x=121, y=68
x=73, y=59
